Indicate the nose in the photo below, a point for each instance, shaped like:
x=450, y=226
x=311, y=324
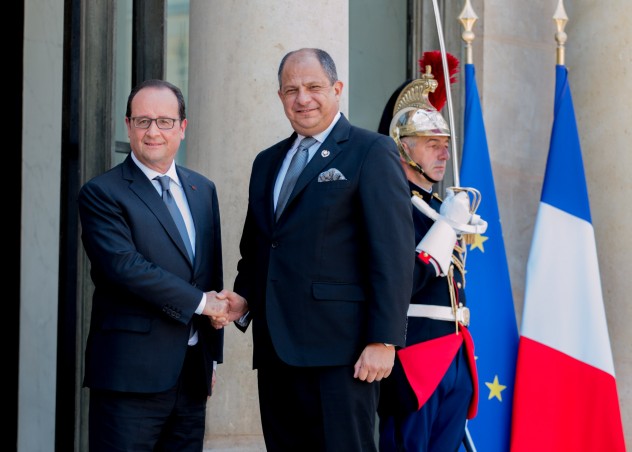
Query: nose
x=303, y=95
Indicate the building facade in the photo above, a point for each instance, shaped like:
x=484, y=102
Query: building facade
x=78, y=59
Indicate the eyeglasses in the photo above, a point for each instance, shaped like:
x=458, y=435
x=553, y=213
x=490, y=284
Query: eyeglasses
x=142, y=122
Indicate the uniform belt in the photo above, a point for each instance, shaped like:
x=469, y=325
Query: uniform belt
x=440, y=313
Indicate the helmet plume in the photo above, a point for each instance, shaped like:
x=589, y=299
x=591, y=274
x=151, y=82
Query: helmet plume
x=432, y=58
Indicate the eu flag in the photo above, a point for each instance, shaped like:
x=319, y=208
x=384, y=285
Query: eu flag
x=488, y=288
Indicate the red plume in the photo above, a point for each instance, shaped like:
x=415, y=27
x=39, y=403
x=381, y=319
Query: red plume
x=433, y=59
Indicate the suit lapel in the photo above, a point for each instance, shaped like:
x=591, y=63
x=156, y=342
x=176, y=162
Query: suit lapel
x=325, y=154
x=145, y=190
x=197, y=206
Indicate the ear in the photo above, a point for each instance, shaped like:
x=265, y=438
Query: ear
x=338, y=85
x=183, y=127
x=128, y=123
x=405, y=145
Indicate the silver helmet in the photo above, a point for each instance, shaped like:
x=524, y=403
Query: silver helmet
x=414, y=115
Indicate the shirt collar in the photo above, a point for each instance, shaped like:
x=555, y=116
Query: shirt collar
x=322, y=136
x=152, y=174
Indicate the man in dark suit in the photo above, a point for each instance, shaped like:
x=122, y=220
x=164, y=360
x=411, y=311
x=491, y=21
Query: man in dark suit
x=151, y=350
x=326, y=280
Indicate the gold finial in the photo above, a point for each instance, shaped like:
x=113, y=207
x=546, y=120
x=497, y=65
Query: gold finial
x=467, y=19
x=560, y=18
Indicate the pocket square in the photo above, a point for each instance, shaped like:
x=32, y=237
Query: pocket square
x=331, y=174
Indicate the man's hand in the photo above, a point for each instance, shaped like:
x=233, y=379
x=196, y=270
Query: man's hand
x=235, y=307
x=216, y=309
x=215, y=306
x=375, y=362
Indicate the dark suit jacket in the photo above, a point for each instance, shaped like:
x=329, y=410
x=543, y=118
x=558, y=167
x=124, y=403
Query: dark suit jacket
x=335, y=272
x=146, y=290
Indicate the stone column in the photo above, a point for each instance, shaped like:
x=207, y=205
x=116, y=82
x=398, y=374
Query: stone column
x=599, y=59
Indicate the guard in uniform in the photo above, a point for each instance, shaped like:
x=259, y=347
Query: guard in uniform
x=432, y=390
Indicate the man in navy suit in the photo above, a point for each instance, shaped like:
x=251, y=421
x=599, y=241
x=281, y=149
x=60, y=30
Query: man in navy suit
x=151, y=350
x=327, y=280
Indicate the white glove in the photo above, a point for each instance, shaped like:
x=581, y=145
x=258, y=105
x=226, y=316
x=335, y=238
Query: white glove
x=440, y=239
x=476, y=225
x=438, y=243
x=454, y=218
x=456, y=208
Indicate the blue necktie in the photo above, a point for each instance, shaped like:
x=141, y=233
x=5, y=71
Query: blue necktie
x=167, y=197
x=294, y=170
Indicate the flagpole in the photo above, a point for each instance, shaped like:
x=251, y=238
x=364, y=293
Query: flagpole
x=446, y=75
x=467, y=18
x=560, y=18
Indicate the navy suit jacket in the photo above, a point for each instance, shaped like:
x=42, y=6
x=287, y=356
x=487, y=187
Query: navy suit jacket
x=335, y=272
x=145, y=288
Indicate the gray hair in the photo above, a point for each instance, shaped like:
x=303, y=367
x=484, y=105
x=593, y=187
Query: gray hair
x=326, y=62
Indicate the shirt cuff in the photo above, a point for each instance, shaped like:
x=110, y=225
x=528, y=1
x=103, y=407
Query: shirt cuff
x=200, y=307
x=243, y=320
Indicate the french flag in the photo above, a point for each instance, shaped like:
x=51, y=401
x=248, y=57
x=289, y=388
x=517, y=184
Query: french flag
x=565, y=394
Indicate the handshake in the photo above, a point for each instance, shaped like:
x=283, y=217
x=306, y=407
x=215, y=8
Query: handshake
x=224, y=307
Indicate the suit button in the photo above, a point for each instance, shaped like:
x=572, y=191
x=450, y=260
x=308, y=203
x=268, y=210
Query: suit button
x=275, y=244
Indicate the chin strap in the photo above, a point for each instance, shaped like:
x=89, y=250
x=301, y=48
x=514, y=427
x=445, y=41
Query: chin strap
x=417, y=167
x=414, y=165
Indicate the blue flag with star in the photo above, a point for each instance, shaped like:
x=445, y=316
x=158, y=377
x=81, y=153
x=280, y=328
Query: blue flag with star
x=488, y=288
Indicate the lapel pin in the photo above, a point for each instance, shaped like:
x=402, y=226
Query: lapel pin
x=325, y=153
